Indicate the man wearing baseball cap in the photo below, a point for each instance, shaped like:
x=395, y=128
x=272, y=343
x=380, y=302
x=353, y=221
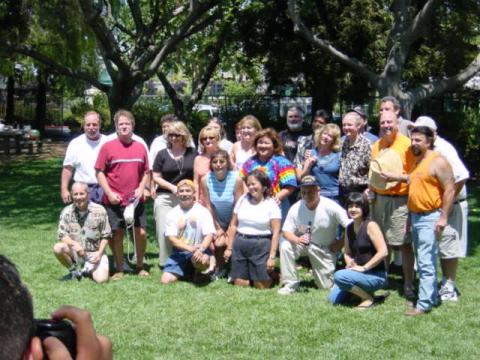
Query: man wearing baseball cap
x=453, y=242
x=310, y=230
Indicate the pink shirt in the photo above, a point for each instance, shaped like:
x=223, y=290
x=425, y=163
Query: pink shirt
x=201, y=168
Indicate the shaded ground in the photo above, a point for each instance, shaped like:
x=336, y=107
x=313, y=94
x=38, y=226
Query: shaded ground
x=52, y=149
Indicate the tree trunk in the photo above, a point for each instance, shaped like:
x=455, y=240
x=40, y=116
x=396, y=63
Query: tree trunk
x=123, y=94
x=41, y=108
x=10, y=111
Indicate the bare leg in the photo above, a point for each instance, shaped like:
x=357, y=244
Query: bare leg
x=241, y=282
x=407, y=265
x=116, y=245
x=449, y=268
x=366, y=298
x=168, y=278
x=62, y=253
x=140, y=245
x=263, y=284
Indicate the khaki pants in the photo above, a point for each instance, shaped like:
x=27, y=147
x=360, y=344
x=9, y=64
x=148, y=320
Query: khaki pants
x=321, y=258
x=164, y=202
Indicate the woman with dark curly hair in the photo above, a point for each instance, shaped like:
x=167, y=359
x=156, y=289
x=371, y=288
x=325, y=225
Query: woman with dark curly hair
x=254, y=233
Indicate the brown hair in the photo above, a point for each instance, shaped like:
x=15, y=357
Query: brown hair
x=272, y=135
x=334, y=131
x=125, y=113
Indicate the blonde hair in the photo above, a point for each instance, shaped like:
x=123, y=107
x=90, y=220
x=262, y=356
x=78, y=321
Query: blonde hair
x=125, y=113
x=334, y=131
x=179, y=127
x=207, y=131
x=249, y=120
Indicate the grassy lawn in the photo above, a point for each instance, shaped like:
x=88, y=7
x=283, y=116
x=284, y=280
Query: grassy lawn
x=148, y=321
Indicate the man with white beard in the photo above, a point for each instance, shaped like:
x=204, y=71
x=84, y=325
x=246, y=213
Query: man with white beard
x=294, y=130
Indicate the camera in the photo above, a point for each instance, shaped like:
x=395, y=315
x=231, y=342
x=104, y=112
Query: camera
x=62, y=330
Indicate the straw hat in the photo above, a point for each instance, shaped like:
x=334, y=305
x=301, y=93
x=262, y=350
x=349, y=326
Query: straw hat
x=387, y=160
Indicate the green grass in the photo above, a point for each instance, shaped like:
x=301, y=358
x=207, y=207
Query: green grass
x=148, y=321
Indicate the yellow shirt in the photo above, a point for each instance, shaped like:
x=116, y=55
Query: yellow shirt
x=401, y=145
x=425, y=193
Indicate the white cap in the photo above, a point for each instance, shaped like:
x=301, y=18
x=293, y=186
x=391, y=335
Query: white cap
x=425, y=121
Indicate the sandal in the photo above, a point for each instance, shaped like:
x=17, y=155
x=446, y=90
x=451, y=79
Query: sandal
x=365, y=307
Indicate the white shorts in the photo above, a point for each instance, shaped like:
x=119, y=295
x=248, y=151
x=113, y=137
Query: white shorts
x=102, y=265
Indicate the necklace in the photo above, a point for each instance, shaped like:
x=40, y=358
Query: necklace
x=179, y=161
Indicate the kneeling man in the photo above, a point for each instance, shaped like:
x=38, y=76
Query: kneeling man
x=310, y=229
x=83, y=234
x=190, y=229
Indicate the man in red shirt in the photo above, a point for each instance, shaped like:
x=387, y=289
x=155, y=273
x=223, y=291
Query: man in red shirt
x=123, y=171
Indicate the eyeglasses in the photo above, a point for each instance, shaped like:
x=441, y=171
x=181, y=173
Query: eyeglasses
x=208, y=138
x=175, y=135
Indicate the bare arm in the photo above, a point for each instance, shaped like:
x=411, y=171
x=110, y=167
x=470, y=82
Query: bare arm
x=180, y=244
x=307, y=167
x=347, y=253
x=196, y=175
x=112, y=196
x=444, y=174
x=275, y=225
x=294, y=239
x=231, y=232
x=378, y=241
x=284, y=193
x=238, y=189
x=67, y=173
x=140, y=190
x=164, y=184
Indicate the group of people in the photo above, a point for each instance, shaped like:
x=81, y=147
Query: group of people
x=229, y=209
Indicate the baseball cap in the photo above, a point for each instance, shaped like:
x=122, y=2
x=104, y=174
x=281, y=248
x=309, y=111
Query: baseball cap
x=425, y=121
x=357, y=109
x=309, y=180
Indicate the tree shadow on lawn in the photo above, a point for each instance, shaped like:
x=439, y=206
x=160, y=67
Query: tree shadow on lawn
x=30, y=193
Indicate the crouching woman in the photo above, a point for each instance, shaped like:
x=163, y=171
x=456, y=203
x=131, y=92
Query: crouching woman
x=365, y=253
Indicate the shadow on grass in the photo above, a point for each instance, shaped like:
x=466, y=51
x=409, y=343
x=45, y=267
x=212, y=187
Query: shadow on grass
x=30, y=192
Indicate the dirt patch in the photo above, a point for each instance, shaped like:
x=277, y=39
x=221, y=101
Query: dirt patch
x=53, y=149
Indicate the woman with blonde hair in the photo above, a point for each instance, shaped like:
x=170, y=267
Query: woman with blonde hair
x=171, y=165
x=324, y=161
x=208, y=143
x=244, y=149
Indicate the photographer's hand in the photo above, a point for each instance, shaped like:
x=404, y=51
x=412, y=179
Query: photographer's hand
x=89, y=344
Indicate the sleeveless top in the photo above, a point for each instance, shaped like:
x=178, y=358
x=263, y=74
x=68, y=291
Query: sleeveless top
x=241, y=156
x=361, y=246
x=222, y=196
x=326, y=171
x=425, y=191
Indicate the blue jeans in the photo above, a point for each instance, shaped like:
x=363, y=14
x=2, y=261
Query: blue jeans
x=425, y=241
x=346, y=279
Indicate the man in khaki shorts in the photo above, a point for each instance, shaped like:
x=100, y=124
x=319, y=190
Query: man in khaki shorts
x=389, y=206
x=83, y=234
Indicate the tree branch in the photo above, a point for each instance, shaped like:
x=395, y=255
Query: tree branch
x=436, y=87
x=103, y=34
x=359, y=67
x=160, y=52
x=137, y=16
x=59, y=68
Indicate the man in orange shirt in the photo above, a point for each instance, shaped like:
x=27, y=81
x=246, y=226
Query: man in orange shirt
x=389, y=208
x=430, y=200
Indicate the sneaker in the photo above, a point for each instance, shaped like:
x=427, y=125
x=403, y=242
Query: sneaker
x=287, y=290
x=447, y=293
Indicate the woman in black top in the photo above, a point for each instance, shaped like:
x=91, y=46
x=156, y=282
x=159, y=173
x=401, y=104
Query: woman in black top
x=365, y=253
x=171, y=165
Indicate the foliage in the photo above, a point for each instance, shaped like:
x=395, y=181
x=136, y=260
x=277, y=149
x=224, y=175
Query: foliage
x=145, y=320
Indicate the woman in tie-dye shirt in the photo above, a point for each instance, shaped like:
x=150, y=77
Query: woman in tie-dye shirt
x=279, y=169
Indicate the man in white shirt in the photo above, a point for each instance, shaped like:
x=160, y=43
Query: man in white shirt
x=310, y=230
x=453, y=243
x=80, y=159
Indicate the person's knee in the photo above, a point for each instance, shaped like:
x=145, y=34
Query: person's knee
x=100, y=277
x=60, y=248
x=106, y=346
x=342, y=278
x=168, y=278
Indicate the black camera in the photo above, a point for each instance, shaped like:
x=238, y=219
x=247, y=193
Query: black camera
x=62, y=330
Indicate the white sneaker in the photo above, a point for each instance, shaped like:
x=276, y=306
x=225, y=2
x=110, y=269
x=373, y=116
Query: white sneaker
x=447, y=292
x=287, y=290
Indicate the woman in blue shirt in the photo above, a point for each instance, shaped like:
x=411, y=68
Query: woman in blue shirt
x=323, y=162
x=221, y=187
